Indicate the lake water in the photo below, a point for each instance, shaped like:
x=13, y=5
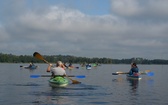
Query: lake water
x=99, y=87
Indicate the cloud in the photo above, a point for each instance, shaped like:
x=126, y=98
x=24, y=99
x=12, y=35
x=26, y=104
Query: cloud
x=141, y=9
x=126, y=7
x=56, y=29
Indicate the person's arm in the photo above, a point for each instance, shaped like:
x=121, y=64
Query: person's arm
x=130, y=72
x=49, y=68
x=63, y=66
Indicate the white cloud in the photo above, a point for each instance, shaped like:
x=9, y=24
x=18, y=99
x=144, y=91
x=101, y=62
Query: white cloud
x=61, y=30
x=126, y=7
x=141, y=9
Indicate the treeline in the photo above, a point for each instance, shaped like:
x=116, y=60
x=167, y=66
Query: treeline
x=10, y=58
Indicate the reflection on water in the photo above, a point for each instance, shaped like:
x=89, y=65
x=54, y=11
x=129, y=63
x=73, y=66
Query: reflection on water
x=150, y=82
x=133, y=83
x=69, y=94
x=52, y=96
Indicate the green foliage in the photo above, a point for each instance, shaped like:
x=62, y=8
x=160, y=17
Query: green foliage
x=9, y=58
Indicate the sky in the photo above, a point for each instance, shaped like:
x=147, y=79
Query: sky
x=116, y=29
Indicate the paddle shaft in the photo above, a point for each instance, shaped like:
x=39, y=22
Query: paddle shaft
x=37, y=76
x=50, y=76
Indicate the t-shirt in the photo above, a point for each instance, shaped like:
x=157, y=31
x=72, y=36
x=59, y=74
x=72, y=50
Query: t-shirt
x=58, y=71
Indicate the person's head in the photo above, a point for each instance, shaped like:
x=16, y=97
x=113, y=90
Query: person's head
x=133, y=64
x=59, y=63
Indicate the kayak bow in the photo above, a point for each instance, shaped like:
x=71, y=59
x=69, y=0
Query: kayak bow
x=137, y=77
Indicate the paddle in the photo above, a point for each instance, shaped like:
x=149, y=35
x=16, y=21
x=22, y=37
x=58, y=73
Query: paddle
x=23, y=66
x=37, y=76
x=146, y=72
x=38, y=56
x=150, y=74
x=118, y=73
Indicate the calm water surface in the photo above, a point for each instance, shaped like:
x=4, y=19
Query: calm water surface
x=99, y=87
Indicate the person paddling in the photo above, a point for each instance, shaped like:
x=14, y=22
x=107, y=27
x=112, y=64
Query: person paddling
x=58, y=73
x=58, y=70
x=134, y=69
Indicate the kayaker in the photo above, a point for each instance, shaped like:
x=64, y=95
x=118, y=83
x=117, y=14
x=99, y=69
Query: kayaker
x=58, y=70
x=88, y=65
x=58, y=73
x=134, y=69
x=31, y=65
x=70, y=65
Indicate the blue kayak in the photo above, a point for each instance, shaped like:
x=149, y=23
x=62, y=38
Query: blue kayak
x=58, y=82
x=31, y=67
x=88, y=67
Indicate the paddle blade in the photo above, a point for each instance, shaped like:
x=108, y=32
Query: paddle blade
x=35, y=76
x=75, y=82
x=38, y=56
x=150, y=74
x=80, y=76
x=77, y=67
x=114, y=73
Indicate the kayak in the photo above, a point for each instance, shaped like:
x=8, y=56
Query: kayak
x=30, y=67
x=88, y=67
x=134, y=76
x=58, y=82
x=70, y=67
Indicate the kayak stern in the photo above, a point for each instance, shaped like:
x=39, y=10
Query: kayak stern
x=58, y=82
